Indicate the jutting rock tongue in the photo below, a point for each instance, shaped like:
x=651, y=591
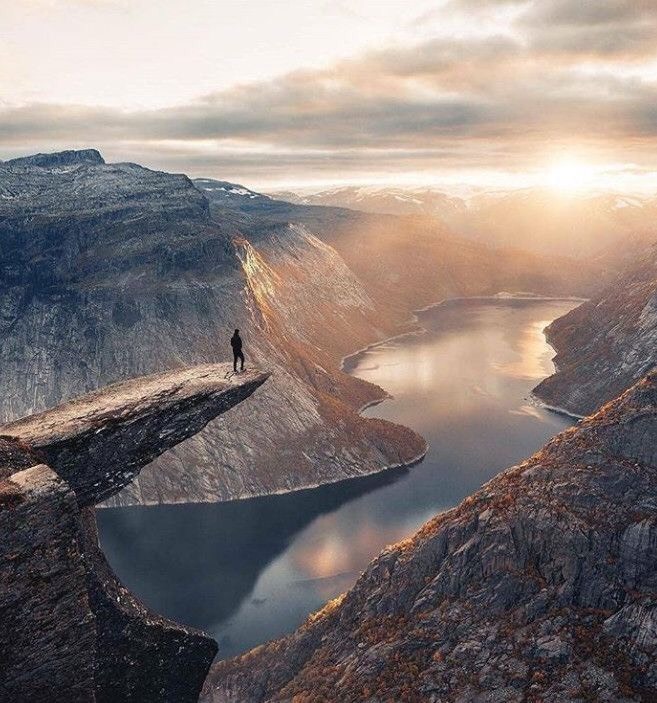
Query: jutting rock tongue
x=98, y=443
x=68, y=629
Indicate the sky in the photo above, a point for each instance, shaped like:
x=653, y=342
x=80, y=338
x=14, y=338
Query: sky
x=312, y=93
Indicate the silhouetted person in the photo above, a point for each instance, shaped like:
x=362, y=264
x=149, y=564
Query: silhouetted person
x=236, y=343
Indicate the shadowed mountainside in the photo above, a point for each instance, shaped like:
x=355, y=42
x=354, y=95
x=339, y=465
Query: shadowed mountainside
x=606, y=344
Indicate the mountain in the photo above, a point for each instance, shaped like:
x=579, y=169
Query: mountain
x=538, y=587
x=112, y=270
x=540, y=220
x=69, y=631
x=382, y=200
x=408, y=262
x=581, y=225
x=108, y=271
x=607, y=343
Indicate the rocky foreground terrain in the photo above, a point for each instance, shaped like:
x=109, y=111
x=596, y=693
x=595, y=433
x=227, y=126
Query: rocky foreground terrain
x=606, y=344
x=540, y=587
x=69, y=631
x=108, y=271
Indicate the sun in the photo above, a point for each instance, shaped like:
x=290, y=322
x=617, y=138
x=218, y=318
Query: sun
x=570, y=175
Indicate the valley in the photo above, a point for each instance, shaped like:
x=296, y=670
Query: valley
x=113, y=270
x=110, y=271
x=249, y=571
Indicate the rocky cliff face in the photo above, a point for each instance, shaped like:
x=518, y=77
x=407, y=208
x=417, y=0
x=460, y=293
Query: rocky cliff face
x=539, y=587
x=108, y=271
x=69, y=631
x=606, y=344
x=410, y=262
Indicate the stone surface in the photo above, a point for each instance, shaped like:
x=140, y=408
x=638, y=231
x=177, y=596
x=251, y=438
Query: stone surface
x=15, y=455
x=47, y=628
x=540, y=587
x=142, y=656
x=69, y=631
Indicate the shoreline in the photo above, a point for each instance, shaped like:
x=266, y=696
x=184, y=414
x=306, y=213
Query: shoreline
x=414, y=319
x=558, y=409
x=554, y=408
x=510, y=298
x=413, y=461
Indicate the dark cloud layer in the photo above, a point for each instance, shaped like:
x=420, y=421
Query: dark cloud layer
x=569, y=71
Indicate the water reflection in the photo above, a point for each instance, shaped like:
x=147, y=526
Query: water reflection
x=252, y=570
x=199, y=563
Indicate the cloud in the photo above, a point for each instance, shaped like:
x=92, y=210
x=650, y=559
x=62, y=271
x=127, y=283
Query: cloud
x=559, y=77
x=559, y=13
x=609, y=27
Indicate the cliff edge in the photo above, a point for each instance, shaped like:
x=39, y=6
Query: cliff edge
x=68, y=629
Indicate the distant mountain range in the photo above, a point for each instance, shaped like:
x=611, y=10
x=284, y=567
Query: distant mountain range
x=392, y=201
x=541, y=220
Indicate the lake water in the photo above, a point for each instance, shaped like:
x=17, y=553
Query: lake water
x=249, y=571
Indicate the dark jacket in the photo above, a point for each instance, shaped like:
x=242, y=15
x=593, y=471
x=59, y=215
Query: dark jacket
x=236, y=343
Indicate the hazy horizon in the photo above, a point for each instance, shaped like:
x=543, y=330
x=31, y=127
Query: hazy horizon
x=492, y=94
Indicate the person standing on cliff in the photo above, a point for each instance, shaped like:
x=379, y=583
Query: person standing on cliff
x=236, y=343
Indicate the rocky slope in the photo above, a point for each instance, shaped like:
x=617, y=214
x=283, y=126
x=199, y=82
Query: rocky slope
x=112, y=270
x=606, y=344
x=539, y=587
x=69, y=631
x=410, y=262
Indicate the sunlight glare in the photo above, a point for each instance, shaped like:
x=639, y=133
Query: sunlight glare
x=570, y=175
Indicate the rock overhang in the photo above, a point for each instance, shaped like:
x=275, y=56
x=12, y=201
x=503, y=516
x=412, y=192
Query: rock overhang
x=100, y=441
x=69, y=630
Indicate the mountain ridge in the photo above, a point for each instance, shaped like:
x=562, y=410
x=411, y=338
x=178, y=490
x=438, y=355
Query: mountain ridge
x=580, y=224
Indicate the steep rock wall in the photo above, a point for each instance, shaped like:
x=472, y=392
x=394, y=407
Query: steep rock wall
x=606, y=344
x=69, y=631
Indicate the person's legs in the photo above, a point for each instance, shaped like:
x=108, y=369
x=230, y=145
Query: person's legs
x=235, y=357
